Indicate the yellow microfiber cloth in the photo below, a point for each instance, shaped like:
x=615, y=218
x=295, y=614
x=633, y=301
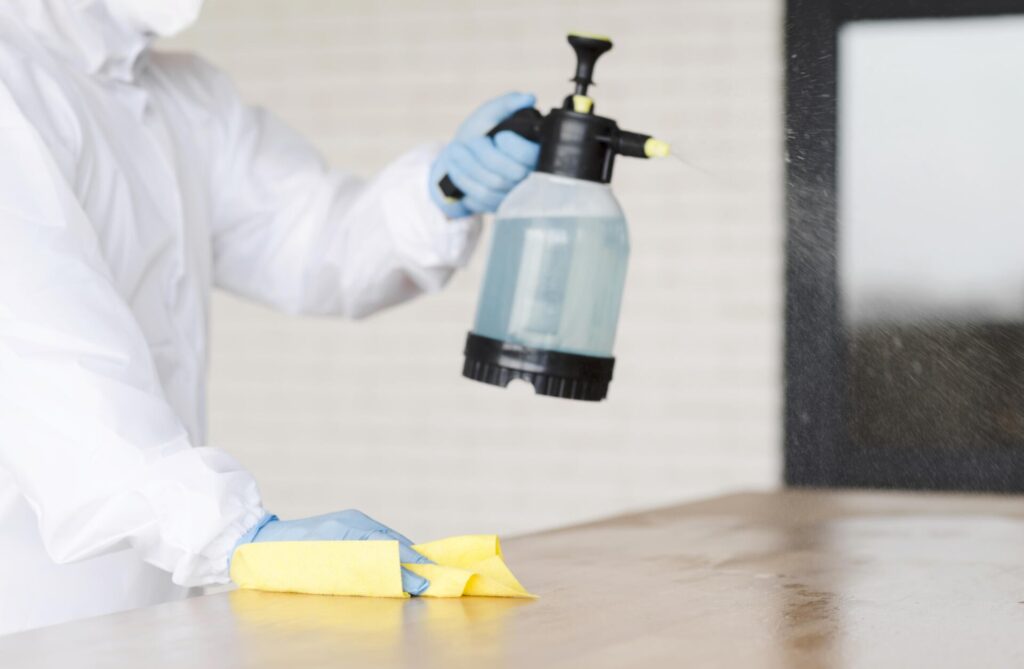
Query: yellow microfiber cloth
x=470, y=565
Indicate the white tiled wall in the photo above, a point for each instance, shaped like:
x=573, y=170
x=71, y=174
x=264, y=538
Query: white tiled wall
x=375, y=414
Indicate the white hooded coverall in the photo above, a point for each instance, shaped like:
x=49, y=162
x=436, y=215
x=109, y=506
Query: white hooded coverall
x=131, y=182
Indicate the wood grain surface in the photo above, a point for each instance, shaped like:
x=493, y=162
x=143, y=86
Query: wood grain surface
x=787, y=579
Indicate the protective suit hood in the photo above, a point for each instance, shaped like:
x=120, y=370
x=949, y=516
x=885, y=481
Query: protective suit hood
x=106, y=37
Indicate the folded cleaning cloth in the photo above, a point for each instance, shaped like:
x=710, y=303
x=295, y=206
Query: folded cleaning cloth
x=469, y=565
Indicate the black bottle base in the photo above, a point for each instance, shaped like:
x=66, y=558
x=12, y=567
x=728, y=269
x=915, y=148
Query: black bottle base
x=552, y=373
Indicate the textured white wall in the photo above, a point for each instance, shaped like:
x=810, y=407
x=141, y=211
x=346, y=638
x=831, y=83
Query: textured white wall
x=375, y=414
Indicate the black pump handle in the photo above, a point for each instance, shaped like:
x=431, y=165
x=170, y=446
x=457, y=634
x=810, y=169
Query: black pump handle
x=525, y=123
x=588, y=49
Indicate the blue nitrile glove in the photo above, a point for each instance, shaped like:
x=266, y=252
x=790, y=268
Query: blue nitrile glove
x=484, y=168
x=340, y=526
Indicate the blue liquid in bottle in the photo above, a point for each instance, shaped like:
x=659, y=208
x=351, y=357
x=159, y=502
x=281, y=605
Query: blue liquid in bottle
x=555, y=283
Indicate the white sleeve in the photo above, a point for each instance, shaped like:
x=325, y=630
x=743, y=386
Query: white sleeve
x=85, y=429
x=290, y=232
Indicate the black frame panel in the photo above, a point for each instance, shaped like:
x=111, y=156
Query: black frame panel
x=818, y=450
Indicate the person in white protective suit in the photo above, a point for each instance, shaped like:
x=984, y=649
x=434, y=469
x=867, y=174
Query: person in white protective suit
x=131, y=182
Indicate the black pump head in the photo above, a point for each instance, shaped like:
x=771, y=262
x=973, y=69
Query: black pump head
x=574, y=141
x=588, y=49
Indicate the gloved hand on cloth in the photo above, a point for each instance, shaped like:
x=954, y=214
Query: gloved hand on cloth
x=348, y=553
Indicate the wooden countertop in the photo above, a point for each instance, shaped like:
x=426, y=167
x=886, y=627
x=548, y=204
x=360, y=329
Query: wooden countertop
x=787, y=579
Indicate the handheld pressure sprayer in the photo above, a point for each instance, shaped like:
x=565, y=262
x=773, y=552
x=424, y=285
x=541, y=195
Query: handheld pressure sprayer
x=550, y=301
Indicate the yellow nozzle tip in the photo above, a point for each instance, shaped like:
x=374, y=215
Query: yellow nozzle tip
x=582, y=104
x=603, y=38
x=655, y=148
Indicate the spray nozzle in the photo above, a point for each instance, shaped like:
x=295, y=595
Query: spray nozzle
x=638, y=145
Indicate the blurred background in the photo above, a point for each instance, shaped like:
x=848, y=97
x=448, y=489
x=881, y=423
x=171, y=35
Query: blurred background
x=375, y=414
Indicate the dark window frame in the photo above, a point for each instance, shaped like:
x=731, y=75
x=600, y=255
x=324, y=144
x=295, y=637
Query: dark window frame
x=818, y=450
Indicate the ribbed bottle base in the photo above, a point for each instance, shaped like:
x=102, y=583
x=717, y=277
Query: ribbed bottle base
x=568, y=375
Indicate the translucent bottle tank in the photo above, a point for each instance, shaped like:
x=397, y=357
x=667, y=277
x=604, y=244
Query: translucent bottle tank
x=557, y=267
x=549, y=306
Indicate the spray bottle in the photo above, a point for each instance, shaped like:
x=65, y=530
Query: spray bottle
x=549, y=306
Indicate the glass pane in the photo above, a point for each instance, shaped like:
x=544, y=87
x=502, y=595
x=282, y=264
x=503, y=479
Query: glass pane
x=931, y=250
